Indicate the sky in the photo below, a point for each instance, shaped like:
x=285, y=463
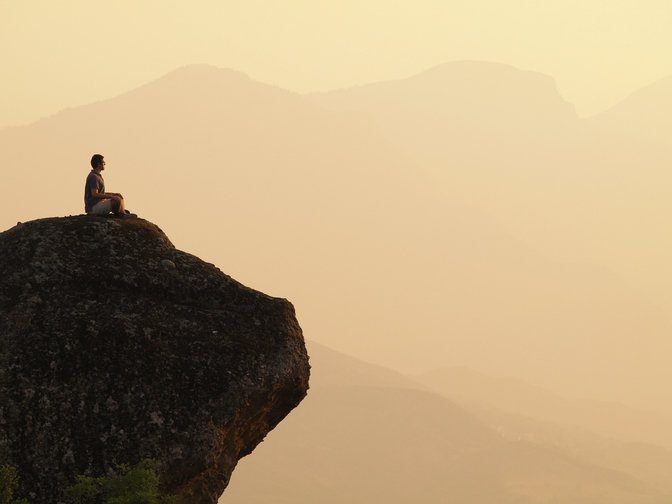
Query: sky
x=63, y=54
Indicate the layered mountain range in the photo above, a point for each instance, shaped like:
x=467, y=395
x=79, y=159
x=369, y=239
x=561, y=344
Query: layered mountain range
x=370, y=434
x=464, y=216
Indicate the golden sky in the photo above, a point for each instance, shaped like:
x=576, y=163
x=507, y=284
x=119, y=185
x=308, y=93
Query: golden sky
x=67, y=53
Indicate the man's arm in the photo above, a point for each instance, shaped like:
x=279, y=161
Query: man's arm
x=97, y=195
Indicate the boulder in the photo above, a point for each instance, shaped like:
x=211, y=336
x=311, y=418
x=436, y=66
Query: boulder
x=115, y=347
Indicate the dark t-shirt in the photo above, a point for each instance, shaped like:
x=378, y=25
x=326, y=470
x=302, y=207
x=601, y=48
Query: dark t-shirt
x=93, y=181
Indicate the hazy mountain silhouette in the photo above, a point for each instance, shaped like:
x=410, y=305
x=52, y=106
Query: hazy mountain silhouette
x=629, y=149
x=500, y=137
x=462, y=112
x=644, y=115
x=573, y=189
x=515, y=396
x=330, y=211
x=335, y=369
x=649, y=463
x=358, y=443
x=632, y=141
x=597, y=432
x=466, y=94
x=578, y=189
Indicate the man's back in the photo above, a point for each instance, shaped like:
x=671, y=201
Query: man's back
x=93, y=181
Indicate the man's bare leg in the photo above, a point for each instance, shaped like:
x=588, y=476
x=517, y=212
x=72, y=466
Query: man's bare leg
x=118, y=206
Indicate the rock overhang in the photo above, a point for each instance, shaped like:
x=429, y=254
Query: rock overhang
x=115, y=346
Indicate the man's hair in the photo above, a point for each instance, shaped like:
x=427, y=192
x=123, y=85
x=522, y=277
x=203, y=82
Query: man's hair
x=96, y=160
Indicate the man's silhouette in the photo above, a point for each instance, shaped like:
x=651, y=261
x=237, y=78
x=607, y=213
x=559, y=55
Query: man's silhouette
x=96, y=200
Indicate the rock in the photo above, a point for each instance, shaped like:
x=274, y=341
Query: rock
x=115, y=346
x=167, y=263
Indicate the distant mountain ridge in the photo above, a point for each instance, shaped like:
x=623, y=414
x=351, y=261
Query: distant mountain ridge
x=486, y=88
x=460, y=111
x=400, y=445
x=657, y=97
x=643, y=121
x=515, y=396
x=477, y=247
x=438, y=73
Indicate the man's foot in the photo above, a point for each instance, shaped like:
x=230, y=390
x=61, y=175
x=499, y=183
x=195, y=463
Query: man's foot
x=125, y=216
x=131, y=214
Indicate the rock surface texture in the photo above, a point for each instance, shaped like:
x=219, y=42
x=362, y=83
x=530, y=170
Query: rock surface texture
x=115, y=346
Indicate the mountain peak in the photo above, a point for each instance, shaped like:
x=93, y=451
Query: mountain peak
x=479, y=66
x=201, y=70
x=647, y=100
x=197, y=77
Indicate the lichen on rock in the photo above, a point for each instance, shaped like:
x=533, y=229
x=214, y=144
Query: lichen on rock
x=116, y=347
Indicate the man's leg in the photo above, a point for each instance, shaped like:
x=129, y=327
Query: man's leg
x=118, y=206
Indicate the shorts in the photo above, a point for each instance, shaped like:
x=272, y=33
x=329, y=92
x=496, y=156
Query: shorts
x=103, y=207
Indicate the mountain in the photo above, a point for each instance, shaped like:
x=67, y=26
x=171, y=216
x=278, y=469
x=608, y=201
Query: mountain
x=629, y=150
x=357, y=443
x=514, y=396
x=605, y=434
x=500, y=137
x=649, y=463
x=504, y=138
x=381, y=259
x=579, y=190
x=333, y=369
x=461, y=110
x=644, y=117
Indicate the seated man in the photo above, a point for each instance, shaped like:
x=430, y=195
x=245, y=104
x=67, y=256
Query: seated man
x=96, y=200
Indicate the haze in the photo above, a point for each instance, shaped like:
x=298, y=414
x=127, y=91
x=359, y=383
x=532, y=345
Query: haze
x=89, y=50
x=467, y=202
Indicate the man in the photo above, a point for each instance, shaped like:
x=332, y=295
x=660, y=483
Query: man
x=96, y=200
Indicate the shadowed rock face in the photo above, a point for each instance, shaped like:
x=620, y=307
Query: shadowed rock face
x=115, y=346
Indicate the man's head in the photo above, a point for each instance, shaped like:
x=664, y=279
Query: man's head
x=97, y=162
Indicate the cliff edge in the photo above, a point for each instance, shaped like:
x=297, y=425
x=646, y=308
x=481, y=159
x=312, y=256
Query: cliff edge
x=115, y=346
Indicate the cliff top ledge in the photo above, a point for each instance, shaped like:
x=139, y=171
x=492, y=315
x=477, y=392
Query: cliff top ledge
x=115, y=346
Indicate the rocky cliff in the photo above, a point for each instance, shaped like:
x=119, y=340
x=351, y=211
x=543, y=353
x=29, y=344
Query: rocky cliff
x=115, y=346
